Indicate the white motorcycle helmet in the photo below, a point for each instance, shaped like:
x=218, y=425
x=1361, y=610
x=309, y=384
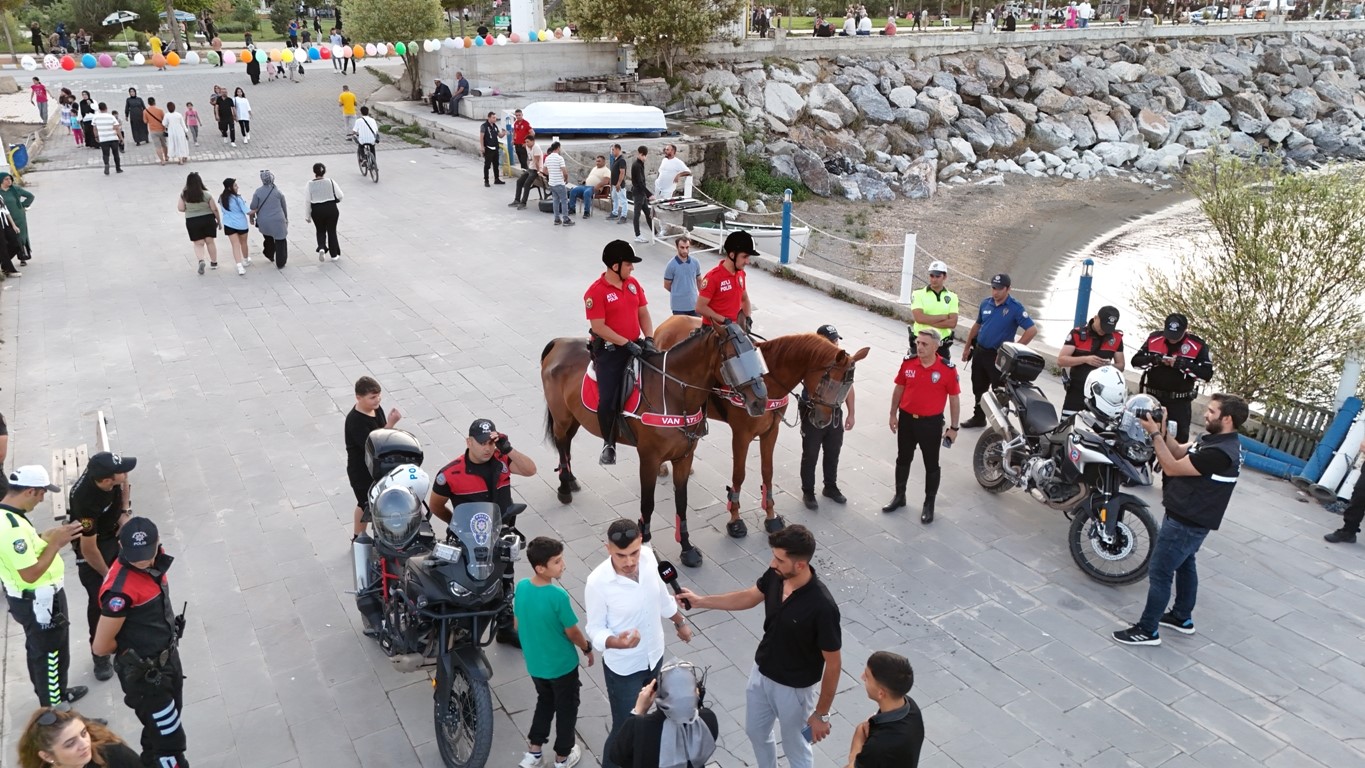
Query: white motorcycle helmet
x=409, y=476
x=1105, y=392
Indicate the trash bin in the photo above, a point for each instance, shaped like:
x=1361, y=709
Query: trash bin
x=18, y=156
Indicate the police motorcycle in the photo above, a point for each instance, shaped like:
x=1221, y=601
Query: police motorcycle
x=433, y=599
x=1078, y=465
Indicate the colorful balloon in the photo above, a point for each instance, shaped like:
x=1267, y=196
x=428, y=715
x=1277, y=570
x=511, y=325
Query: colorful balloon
x=231, y=58
x=213, y=58
x=139, y=59
x=370, y=50
x=488, y=40
x=192, y=58
x=287, y=56
x=122, y=61
x=336, y=52
x=88, y=61
x=158, y=60
x=68, y=63
x=346, y=52
x=469, y=42
x=28, y=63
x=478, y=41
x=325, y=53
x=314, y=54
x=51, y=62
x=358, y=51
x=459, y=42
x=501, y=40
x=392, y=49
x=105, y=60
x=559, y=34
x=568, y=33
x=515, y=37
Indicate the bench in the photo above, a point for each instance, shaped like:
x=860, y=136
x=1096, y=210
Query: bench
x=69, y=463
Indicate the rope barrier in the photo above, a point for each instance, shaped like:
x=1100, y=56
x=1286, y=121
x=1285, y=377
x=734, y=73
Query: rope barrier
x=979, y=281
x=806, y=250
x=696, y=192
x=814, y=228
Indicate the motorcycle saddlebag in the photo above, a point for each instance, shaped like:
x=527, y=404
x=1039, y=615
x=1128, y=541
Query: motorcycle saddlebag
x=386, y=449
x=1018, y=363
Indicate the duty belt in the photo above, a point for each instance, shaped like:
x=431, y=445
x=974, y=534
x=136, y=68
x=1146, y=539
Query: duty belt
x=1162, y=393
x=45, y=591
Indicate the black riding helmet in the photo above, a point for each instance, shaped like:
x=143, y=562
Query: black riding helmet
x=739, y=241
x=618, y=251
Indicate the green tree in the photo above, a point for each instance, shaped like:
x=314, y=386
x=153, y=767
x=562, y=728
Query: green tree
x=664, y=31
x=1276, y=288
x=394, y=21
x=8, y=17
x=281, y=13
x=244, y=13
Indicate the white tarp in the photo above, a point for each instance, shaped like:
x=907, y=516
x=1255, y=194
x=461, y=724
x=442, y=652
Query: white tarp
x=586, y=117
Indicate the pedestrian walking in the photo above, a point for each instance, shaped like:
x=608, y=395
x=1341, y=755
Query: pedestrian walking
x=100, y=503
x=625, y=599
x=38, y=97
x=997, y=319
x=323, y=196
x=640, y=194
x=270, y=215
x=31, y=571
x=192, y=122
x=894, y=736
x=347, y=102
x=681, y=277
x=226, y=112
x=70, y=117
x=55, y=738
x=1200, y=478
x=680, y=732
x=490, y=137
x=557, y=176
x=17, y=201
x=11, y=248
x=242, y=106
x=1088, y=347
x=796, y=667
x=1175, y=361
x=35, y=34
x=108, y=135
x=87, y=114
x=133, y=107
x=1355, y=508
x=934, y=306
x=253, y=67
x=924, y=384
x=232, y=208
x=177, y=135
x=202, y=219
x=829, y=439
x=363, y=418
x=550, y=642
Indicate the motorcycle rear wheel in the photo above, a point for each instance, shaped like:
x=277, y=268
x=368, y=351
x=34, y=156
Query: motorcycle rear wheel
x=467, y=738
x=1126, y=561
x=987, y=462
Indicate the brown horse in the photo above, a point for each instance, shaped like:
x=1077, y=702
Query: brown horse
x=664, y=426
x=804, y=358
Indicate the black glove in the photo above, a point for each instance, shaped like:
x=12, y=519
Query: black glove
x=748, y=324
x=648, y=345
x=503, y=445
x=632, y=348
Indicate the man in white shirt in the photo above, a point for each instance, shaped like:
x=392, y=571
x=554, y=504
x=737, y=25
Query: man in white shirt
x=597, y=179
x=535, y=171
x=1084, y=14
x=366, y=132
x=670, y=170
x=108, y=132
x=557, y=176
x=625, y=599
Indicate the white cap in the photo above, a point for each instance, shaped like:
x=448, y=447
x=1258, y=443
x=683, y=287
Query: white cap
x=32, y=476
x=938, y=266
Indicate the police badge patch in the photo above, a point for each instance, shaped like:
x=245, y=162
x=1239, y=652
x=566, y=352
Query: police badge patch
x=934, y=377
x=588, y=302
x=20, y=546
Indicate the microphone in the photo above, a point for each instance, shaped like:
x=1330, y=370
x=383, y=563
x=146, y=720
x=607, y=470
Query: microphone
x=670, y=576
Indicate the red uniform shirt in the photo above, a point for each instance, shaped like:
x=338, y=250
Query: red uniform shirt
x=926, y=389
x=620, y=307
x=520, y=129
x=724, y=291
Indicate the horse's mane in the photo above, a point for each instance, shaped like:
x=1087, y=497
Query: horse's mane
x=800, y=344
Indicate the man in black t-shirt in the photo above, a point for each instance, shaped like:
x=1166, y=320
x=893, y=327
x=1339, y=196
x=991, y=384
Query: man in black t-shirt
x=364, y=418
x=893, y=737
x=97, y=502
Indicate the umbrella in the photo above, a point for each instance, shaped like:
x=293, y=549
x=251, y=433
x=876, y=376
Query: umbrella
x=179, y=16
x=120, y=18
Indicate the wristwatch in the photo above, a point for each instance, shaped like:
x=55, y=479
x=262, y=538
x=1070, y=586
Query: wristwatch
x=823, y=718
x=587, y=648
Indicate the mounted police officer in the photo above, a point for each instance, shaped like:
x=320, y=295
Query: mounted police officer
x=935, y=307
x=621, y=330
x=829, y=438
x=997, y=319
x=138, y=624
x=97, y=502
x=1176, y=361
x=31, y=572
x=724, y=291
x=1094, y=345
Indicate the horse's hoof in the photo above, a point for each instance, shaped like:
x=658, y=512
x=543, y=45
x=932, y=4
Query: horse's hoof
x=565, y=497
x=691, y=557
x=737, y=529
x=774, y=524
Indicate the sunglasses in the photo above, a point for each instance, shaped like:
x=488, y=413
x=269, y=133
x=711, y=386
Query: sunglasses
x=625, y=537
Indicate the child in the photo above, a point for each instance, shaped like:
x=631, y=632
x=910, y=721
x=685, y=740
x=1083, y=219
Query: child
x=73, y=121
x=192, y=122
x=549, y=632
x=363, y=419
x=119, y=121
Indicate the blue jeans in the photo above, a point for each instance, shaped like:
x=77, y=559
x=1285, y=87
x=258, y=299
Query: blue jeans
x=584, y=192
x=618, y=202
x=561, y=201
x=622, y=691
x=1172, y=557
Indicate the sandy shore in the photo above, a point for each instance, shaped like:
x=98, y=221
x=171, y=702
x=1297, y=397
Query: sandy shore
x=1025, y=227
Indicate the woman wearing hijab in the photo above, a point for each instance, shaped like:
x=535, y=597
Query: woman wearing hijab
x=17, y=200
x=9, y=243
x=680, y=733
x=269, y=214
x=323, y=196
x=253, y=67
x=133, y=108
x=87, y=106
x=177, y=135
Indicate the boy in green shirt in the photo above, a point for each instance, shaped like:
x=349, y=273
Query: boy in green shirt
x=549, y=632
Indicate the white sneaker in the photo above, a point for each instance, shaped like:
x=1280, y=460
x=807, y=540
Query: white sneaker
x=247, y=261
x=241, y=270
x=575, y=755
x=246, y=139
x=234, y=143
x=529, y=760
x=225, y=140
x=322, y=255
x=641, y=239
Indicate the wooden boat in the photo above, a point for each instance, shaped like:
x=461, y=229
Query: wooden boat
x=570, y=118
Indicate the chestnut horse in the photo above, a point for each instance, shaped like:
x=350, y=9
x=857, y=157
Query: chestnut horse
x=804, y=358
x=674, y=388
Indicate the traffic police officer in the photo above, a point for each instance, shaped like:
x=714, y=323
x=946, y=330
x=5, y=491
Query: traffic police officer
x=31, y=572
x=997, y=319
x=621, y=329
x=830, y=438
x=138, y=624
x=724, y=292
x=934, y=306
x=1093, y=345
x=1175, y=361
x=98, y=503
x=924, y=383
x=483, y=473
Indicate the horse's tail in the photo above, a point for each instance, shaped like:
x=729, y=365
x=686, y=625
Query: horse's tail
x=549, y=425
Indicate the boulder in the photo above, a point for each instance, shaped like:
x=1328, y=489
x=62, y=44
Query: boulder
x=1007, y=131
x=904, y=96
x=874, y=189
x=783, y=165
x=1199, y=85
x=1161, y=66
x=1080, y=128
x=1026, y=111
x=1170, y=157
x=1198, y=139
x=919, y=181
x=1153, y=127
x=716, y=78
x=1045, y=78
x=1049, y=133
x=1274, y=62
x=826, y=119
x=990, y=105
x=1052, y=101
x=825, y=96
x=991, y=71
x=1247, y=113
x=951, y=170
x=811, y=171
x=941, y=111
x=1306, y=104
x=1104, y=127
x=916, y=78
x=1242, y=145
x=944, y=80
x=873, y=106
x=1215, y=115
x=914, y=120
x=972, y=89
x=1115, y=154
x=1278, y=130
x=1125, y=72
x=959, y=150
x=1128, y=130
x=976, y=135
x=782, y=101
x=1232, y=63
x=1146, y=161
x=1278, y=107
x=1016, y=69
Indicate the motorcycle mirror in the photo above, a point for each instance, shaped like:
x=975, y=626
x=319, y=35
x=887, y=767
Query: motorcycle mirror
x=512, y=512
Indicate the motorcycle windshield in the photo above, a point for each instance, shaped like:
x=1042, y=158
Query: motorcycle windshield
x=476, y=525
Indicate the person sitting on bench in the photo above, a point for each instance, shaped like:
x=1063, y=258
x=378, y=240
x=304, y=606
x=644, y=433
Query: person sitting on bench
x=440, y=98
x=597, y=180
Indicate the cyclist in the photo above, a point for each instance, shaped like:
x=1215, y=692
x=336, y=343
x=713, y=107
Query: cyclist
x=366, y=133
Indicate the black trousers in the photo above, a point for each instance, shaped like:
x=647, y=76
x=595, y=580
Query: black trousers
x=47, y=647
x=7, y=254
x=556, y=699
x=813, y=440
x=157, y=698
x=245, y=125
x=984, y=376
x=92, y=581
x=439, y=106
x=490, y=160
x=521, y=155
x=1181, y=412
x=276, y=250
x=925, y=434
x=227, y=128
x=611, y=370
x=1355, y=509
x=524, y=184
x=325, y=217
x=641, y=196
x=107, y=147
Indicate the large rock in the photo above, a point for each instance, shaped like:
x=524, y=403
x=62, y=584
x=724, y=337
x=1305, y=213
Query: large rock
x=904, y=96
x=1026, y=111
x=1080, y=128
x=991, y=71
x=873, y=106
x=1105, y=128
x=1274, y=62
x=1052, y=101
x=1232, y=63
x=1243, y=145
x=920, y=179
x=1128, y=130
x=783, y=165
x=942, y=111
x=1247, y=113
x=976, y=134
x=1199, y=85
x=1049, y=134
x=1215, y=115
x=826, y=119
x=1044, y=78
x=812, y=172
x=1278, y=130
x=1115, y=154
x=1127, y=73
x=1161, y=66
x=1007, y=131
x=716, y=78
x=874, y=189
x=782, y=101
x=1170, y=157
x=1153, y=127
x=957, y=150
x=913, y=120
x=1307, y=106
x=826, y=97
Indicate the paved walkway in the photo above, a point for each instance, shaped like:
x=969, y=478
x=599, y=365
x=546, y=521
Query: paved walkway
x=231, y=391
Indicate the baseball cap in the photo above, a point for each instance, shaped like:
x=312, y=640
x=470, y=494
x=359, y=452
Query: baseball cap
x=482, y=430
x=618, y=251
x=1176, y=324
x=1001, y=280
x=938, y=266
x=106, y=464
x=32, y=476
x=1109, y=319
x=740, y=242
x=138, y=540
x=829, y=332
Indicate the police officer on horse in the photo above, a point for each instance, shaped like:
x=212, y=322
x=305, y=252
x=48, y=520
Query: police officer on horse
x=621, y=330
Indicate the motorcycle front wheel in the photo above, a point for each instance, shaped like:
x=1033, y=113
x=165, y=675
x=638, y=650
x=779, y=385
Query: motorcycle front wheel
x=1122, y=561
x=464, y=720
x=988, y=462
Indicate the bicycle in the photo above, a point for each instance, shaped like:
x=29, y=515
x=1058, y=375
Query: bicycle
x=369, y=162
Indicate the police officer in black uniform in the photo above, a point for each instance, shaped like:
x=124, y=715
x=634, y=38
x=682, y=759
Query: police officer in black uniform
x=138, y=624
x=829, y=438
x=1176, y=361
x=97, y=503
x=483, y=473
x=1090, y=346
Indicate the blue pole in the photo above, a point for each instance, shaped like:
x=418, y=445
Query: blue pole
x=1331, y=441
x=786, y=226
x=1083, y=292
